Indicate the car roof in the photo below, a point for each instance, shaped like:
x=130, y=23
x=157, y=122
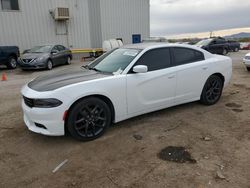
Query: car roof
x=145, y=45
x=152, y=45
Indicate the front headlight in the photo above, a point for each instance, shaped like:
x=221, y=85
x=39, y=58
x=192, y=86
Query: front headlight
x=46, y=103
x=40, y=58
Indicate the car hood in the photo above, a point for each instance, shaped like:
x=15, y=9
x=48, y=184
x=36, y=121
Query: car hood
x=247, y=54
x=33, y=55
x=63, y=78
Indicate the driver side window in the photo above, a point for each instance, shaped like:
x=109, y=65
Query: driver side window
x=156, y=59
x=55, y=48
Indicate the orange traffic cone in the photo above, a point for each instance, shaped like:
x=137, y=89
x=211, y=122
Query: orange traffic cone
x=4, y=77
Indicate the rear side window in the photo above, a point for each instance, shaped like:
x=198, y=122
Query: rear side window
x=156, y=59
x=185, y=55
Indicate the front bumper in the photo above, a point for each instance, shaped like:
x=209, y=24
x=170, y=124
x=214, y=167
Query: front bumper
x=31, y=66
x=246, y=62
x=51, y=119
x=46, y=121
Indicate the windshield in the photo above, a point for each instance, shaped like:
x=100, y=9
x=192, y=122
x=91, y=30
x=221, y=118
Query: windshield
x=204, y=42
x=114, y=61
x=41, y=49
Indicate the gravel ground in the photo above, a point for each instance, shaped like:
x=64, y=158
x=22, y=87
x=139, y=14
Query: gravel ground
x=217, y=137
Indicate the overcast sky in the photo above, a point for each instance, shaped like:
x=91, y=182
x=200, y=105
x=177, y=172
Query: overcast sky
x=171, y=17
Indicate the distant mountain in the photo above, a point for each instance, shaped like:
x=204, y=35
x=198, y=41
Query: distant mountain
x=239, y=35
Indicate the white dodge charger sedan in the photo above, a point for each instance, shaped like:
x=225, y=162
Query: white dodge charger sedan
x=123, y=83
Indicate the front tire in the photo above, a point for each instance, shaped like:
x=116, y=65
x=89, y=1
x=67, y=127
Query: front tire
x=68, y=60
x=248, y=68
x=49, y=65
x=12, y=63
x=88, y=119
x=212, y=90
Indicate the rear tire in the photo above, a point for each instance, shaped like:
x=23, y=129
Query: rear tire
x=12, y=63
x=225, y=51
x=88, y=119
x=248, y=68
x=236, y=49
x=212, y=90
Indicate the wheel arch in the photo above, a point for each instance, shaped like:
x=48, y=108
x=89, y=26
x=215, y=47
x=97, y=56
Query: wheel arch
x=102, y=97
x=13, y=55
x=219, y=75
x=214, y=74
x=50, y=59
x=70, y=56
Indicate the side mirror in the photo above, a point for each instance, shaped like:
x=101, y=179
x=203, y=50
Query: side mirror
x=140, y=69
x=54, y=52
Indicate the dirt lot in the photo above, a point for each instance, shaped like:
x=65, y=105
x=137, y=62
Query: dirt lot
x=126, y=156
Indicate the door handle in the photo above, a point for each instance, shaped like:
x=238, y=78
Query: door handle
x=171, y=76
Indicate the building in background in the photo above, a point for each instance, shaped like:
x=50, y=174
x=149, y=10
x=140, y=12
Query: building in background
x=73, y=23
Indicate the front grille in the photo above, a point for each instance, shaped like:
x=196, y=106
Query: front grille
x=247, y=57
x=29, y=102
x=27, y=60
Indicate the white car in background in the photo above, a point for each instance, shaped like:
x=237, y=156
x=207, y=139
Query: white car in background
x=123, y=83
x=246, y=61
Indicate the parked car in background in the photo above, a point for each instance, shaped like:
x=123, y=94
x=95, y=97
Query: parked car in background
x=215, y=45
x=45, y=57
x=123, y=83
x=9, y=56
x=234, y=45
x=155, y=39
x=245, y=46
x=246, y=61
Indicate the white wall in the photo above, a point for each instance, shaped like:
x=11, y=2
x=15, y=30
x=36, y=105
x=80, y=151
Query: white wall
x=33, y=25
x=122, y=18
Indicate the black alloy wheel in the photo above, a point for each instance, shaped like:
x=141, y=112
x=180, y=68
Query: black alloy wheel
x=212, y=90
x=88, y=119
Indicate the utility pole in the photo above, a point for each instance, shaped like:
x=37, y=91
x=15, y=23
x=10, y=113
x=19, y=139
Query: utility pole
x=211, y=34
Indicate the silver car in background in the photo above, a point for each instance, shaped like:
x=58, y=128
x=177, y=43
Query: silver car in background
x=45, y=57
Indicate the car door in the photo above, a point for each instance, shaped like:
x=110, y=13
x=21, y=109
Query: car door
x=154, y=89
x=192, y=70
x=217, y=46
x=63, y=54
x=56, y=56
x=1, y=57
x=213, y=47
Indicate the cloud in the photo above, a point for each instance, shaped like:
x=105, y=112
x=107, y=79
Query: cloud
x=170, y=17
